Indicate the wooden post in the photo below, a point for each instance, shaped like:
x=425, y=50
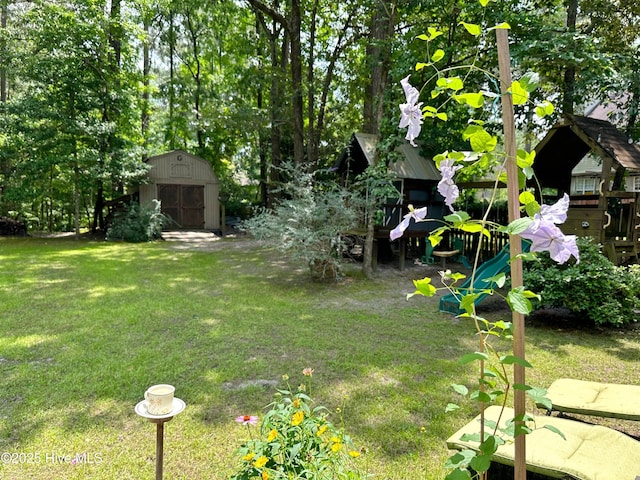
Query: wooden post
x=513, y=192
x=159, y=450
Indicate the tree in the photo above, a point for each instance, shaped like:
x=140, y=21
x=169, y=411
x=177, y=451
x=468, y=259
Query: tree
x=70, y=115
x=291, y=26
x=378, y=54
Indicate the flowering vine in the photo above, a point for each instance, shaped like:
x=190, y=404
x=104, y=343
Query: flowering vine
x=539, y=227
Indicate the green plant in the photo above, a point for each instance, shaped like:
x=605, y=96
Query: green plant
x=297, y=441
x=593, y=289
x=137, y=223
x=500, y=375
x=308, y=222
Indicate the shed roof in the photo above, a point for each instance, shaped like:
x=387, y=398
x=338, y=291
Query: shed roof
x=181, y=166
x=412, y=165
x=571, y=139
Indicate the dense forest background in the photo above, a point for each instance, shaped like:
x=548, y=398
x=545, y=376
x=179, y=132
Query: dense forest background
x=91, y=88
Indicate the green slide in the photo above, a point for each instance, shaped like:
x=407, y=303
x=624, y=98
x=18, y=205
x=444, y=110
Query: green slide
x=499, y=264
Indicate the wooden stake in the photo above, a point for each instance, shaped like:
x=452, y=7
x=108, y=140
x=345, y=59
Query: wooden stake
x=513, y=192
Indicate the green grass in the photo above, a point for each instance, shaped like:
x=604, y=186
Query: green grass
x=86, y=327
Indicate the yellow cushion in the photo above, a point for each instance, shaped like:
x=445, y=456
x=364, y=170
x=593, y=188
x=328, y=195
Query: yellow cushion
x=594, y=398
x=590, y=452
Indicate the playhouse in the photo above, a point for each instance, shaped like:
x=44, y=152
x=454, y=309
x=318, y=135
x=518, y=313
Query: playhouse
x=416, y=180
x=611, y=213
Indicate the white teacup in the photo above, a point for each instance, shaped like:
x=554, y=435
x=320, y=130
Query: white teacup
x=159, y=399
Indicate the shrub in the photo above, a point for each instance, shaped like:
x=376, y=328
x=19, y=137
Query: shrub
x=297, y=441
x=308, y=222
x=594, y=288
x=137, y=223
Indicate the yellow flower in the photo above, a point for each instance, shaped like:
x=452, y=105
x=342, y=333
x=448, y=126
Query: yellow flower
x=354, y=454
x=272, y=435
x=321, y=430
x=249, y=456
x=336, y=446
x=296, y=403
x=297, y=418
x=260, y=462
x=265, y=475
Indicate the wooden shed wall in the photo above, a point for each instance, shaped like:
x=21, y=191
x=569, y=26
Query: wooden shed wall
x=181, y=168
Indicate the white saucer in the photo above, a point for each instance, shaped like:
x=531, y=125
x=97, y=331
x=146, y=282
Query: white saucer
x=178, y=406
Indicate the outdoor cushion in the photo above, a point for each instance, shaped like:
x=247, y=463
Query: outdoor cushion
x=593, y=398
x=590, y=452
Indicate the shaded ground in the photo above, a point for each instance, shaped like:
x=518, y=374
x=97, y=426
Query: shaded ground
x=396, y=283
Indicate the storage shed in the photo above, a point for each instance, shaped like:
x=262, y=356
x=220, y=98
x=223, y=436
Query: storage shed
x=187, y=188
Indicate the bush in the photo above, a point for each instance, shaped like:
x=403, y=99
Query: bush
x=594, y=288
x=137, y=223
x=296, y=440
x=308, y=223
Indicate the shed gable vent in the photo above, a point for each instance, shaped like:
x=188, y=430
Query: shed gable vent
x=181, y=168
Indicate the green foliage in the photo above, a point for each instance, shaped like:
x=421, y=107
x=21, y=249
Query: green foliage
x=137, y=223
x=298, y=441
x=308, y=222
x=70, y=118
x=593, y=289
x=375, y=187
x=494, y=386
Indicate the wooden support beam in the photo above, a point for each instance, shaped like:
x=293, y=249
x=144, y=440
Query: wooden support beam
x=513, y=192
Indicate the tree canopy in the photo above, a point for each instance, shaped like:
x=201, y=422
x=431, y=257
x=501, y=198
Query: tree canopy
x=90, y=88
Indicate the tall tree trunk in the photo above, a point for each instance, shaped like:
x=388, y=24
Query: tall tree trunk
x=146, y=72
x=295, y=25
x=4, y=13
x=569, y=83
x=108, y=111
x=378, y=55
x=311, y=90
x=172, y=44
x=276, y=32
x=633, y=106
x=280, y=62
x=262, y=140
x=196, y=74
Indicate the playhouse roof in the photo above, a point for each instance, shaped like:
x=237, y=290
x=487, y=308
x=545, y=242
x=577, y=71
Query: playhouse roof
x=571, y=139
x=361, y=152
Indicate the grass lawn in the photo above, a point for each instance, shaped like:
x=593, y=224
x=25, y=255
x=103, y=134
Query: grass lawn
x=86, y=327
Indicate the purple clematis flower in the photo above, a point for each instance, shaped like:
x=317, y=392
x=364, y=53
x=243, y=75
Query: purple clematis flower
x=411, y=111
x=547, y=237
x=416, y=214
x=447, y=187
x=557, y=213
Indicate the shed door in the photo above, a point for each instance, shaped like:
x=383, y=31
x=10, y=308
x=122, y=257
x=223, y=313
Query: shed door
x=184, y=204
